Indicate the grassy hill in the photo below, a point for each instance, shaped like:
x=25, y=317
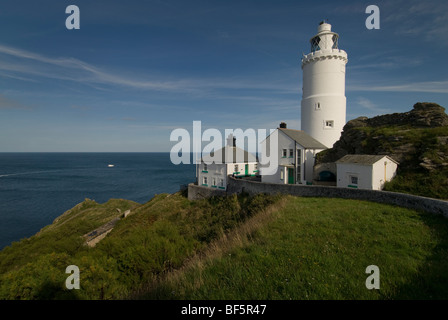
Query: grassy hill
x=239, y=247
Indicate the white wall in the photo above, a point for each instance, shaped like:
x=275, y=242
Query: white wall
x=306, y=167
x=215, y=172
x=369, y=176
x=346, y=170
x=383, y=170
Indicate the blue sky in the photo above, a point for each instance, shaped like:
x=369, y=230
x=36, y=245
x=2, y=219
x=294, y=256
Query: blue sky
x=136, y=70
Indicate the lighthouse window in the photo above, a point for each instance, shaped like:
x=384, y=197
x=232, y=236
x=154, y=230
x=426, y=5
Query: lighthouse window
x=329, y=124
x=315, y=44
x=335, y=41
x=317, y=105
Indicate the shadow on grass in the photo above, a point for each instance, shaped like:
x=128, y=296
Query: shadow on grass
x=431, y=280
x=52, y=291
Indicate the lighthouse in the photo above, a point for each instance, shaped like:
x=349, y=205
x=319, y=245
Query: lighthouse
x=323, y=104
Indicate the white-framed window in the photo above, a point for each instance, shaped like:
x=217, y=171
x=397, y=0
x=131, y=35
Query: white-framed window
x=329, y=124
x=284, y=153
x=255, y=166
x=205, y=167
x=214, y=181
x=221, y=182
x=205, y=180
x=291, y=153
x=354, y=180
x=235, y=168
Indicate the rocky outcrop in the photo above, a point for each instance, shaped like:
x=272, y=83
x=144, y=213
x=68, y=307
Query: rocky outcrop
x=370, y=136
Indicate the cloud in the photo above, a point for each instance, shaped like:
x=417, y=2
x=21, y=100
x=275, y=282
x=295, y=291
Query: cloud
x=429, y=86
x=71, y=69
x=367, y=104
x=6, y=103
x=418, y=19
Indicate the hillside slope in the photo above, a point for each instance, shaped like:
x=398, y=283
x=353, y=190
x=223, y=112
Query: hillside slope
x=416, y=139
x=155, y=238
x=315, y=248
x=238, y=247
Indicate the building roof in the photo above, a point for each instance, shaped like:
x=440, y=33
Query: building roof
x=363, y=159
x=230, y=154
x=303, y=139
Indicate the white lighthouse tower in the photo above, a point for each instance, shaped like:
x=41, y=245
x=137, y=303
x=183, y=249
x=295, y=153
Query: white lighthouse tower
x=323, y=101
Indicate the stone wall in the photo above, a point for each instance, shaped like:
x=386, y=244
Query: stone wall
x=196, y=192
x=253, y=187
x=400, y=199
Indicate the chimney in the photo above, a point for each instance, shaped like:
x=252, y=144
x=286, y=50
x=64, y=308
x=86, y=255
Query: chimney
x=283, y=125
x=231, y=141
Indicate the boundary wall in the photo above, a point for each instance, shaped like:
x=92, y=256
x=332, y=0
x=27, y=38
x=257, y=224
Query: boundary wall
x=234, y=185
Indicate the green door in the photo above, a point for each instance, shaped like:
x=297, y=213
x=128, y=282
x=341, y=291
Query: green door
x=247, y=170
x=290, y=176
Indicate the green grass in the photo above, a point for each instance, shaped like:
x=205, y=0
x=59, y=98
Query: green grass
x=238, y=247
x=319, y=249
x=155, y=239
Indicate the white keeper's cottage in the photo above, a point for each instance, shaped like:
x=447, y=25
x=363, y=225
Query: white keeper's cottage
x=296, y=154
x=365, y=171
x=214, y=169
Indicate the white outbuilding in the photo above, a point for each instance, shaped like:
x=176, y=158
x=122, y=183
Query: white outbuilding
x=365, y=171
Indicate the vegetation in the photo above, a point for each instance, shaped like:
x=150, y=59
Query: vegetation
x=319, y=249
x=156, y=238
x=239, y=247
x=422, y=154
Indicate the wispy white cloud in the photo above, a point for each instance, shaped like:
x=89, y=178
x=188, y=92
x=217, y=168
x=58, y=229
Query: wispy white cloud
x=370, y=105
x=418, y=19
x=71, y=69
x=428, y=86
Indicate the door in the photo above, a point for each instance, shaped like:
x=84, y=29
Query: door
x=247, y=170
x=290, y=176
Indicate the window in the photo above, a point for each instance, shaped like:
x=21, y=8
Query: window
x=235, y=169
x=299, y=165
x=329, y=124
x=315, y=44
x=354, y=180
x=285, y=152
x=317, y=106
x=335, y=42
x=205, y=168
x=214, y=181
x=204, y=181
x=221, y=182
x=291, y=153
x=256, y=167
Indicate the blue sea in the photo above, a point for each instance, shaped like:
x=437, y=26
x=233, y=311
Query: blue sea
x=35, y=188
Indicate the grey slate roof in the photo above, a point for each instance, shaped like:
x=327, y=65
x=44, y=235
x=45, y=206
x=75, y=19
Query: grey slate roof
x=230, y=154
x=364, y=159
x=303, y=139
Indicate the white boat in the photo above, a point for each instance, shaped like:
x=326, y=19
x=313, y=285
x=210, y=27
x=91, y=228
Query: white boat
x=110, y=165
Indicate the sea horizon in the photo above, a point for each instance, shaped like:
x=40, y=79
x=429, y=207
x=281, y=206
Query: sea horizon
x=37, y=187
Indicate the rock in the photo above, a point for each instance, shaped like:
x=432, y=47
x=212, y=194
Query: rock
x=366, y=136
